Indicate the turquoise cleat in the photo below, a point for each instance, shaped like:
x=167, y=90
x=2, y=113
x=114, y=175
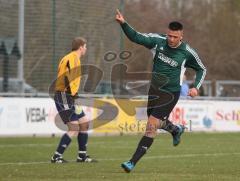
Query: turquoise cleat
x=177, y=137
x=127, y=166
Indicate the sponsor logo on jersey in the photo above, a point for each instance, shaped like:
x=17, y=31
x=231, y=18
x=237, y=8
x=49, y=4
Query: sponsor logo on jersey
x=167, y=60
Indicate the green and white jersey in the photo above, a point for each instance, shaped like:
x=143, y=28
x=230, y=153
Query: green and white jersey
x=169, y=64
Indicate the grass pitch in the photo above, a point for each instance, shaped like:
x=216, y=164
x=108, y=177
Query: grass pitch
x=200, y=156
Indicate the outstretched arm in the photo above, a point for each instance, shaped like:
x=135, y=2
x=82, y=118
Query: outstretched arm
x=144, y=39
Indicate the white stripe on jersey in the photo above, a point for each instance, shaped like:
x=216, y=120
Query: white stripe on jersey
x=199, y=63
x=64, y=99
x=153, y=50
x=183, y=69
x=153, y=35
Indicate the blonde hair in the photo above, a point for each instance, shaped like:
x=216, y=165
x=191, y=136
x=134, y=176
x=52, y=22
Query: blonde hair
x=78, y=42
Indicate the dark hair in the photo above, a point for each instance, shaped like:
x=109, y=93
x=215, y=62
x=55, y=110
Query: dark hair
x=175, y=26
x=78, y=42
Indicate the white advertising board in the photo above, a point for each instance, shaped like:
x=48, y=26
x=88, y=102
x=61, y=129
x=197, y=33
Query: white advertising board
x=226, y=116
x=29, y=116
x=207, y=115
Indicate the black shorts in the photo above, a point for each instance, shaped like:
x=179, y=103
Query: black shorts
x=66, y=107
x=161, y=103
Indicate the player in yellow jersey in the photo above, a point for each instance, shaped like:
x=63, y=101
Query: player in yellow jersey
x=66, y=89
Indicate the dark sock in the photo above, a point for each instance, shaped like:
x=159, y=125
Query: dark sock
x=142, y=148
x=170, y=127
x=64, y=142
x=82, y=144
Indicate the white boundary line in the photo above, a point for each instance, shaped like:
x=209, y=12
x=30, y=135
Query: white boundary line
x=147, y=157
x=25, y=145
x=53, y=145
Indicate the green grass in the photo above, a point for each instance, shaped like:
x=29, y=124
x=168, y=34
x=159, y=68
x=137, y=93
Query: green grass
x=199, y=157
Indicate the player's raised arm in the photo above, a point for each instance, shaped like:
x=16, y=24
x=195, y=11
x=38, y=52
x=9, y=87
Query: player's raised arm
x=119, y=17
x=144, y=39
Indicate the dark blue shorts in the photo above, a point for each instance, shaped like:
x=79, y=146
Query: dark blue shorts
x=161, y=103
x=66, y=107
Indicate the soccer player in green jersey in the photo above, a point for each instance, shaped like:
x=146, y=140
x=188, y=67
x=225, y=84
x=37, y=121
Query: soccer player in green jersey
x=171, y=56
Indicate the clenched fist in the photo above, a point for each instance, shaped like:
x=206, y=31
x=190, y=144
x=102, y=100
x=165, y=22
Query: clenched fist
x=193, y=92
